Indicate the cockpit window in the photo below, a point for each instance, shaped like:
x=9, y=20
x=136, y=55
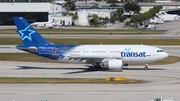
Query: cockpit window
x=160, y=51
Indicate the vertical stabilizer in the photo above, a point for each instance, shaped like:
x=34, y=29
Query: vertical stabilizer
x=28, y=34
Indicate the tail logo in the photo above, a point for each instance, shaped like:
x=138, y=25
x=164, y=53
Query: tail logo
x=26, y=33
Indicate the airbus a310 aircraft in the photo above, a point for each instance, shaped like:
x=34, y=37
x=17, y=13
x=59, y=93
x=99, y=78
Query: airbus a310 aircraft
x=100, y=56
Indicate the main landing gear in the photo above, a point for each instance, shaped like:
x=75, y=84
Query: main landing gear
x=95, y=68
x=146, y=67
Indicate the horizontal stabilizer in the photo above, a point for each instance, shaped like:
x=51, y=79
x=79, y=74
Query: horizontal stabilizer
x=29, y=49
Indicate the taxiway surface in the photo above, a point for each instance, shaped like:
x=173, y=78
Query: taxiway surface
x=160, y=80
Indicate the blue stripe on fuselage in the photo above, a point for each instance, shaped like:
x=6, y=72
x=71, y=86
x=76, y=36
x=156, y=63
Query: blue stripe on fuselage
x=51, y=51
x=54, y=51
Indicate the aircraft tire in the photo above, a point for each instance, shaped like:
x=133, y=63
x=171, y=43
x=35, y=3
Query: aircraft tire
x=145, y=68
x=99, y=67
x=95, y=69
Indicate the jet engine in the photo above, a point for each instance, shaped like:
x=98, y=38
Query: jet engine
x=114, y=64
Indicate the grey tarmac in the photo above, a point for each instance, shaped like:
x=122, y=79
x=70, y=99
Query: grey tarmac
x=160, y=80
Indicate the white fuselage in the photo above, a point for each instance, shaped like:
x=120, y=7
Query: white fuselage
x=128, y=53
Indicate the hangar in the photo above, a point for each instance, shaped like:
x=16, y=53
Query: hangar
x=33, y=12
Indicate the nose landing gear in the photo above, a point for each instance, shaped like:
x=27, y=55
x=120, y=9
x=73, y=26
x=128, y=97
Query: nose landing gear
x=146, y=67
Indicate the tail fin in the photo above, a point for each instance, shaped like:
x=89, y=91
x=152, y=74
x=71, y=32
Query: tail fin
x=27, y=33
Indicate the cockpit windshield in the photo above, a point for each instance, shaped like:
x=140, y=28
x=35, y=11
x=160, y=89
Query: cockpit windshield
x=160, y=51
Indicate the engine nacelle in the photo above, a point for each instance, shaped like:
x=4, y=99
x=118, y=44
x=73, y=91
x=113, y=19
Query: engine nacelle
x=114, y=64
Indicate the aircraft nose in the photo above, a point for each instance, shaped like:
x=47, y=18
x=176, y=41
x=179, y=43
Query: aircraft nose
x=165, y=55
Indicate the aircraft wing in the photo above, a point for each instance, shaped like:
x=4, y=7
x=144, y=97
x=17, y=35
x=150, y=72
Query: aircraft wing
x=94, y=57
x=85, y=59
x=90, y=59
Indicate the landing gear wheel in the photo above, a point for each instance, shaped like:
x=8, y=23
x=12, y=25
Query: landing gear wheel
x=95, y=68
x=145, y=68
x=92, y=68
x=99, y=67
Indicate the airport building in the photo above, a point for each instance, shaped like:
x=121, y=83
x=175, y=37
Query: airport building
x=33, y=12
x=83, y=19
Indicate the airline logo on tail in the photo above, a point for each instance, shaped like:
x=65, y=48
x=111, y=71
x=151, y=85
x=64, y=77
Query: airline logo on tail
x=26, y=33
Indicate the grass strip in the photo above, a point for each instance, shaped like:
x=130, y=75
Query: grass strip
x=16, y=41
x=89, y=31
x=27, y=57
x=16, y=80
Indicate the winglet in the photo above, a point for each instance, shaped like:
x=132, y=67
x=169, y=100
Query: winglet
x=27, y=33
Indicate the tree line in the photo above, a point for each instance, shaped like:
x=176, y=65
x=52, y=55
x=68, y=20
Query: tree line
x=94, y=19
x=146, y=15
x=129, y=6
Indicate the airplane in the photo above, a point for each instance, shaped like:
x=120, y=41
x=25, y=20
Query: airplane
x=156, y=20
x=112, y=57
x=175, y=16
x=49, y=24
x=167, y=17
x=43, y=24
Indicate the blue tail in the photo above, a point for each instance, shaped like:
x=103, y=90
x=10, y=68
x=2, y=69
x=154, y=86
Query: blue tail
x=27, y=33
